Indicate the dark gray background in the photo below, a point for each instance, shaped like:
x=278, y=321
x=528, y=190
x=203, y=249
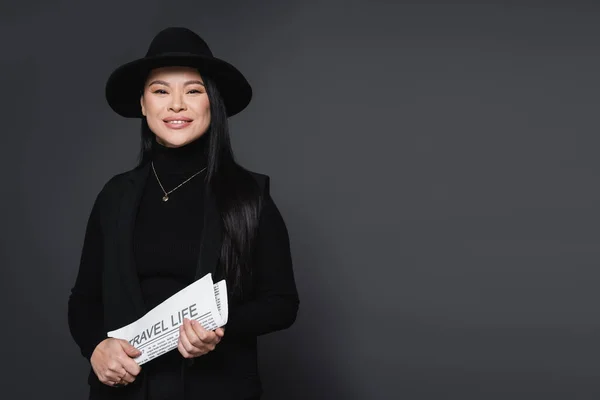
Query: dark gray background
x=436, y=165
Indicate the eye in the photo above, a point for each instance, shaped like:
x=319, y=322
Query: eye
x=159, y=91
x=193, y=91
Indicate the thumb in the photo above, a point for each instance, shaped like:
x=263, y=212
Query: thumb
x=129, y=349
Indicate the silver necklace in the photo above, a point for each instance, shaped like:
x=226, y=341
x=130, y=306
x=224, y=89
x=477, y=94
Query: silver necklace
x=166, y=196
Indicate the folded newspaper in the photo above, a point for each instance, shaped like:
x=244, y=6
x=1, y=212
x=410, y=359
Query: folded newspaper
x=157, y=332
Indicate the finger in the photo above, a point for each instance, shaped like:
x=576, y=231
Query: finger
x=128, y=378
x=193, y=337
x=129, y=349
x=185, y=342
x=220, y=332
x=204, y=335
x=110, y=381
x=131, y=366
x=114, y=366
x=105, y=380
x=182, y=350
x=118, y=375
x=112, y=376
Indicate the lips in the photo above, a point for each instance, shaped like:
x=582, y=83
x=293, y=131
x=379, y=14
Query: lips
x=178, y=118
x=177, y=122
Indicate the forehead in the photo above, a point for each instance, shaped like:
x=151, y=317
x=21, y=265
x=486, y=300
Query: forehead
x=174, y=74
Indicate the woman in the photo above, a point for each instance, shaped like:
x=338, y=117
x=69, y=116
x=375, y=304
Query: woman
x=186, y=210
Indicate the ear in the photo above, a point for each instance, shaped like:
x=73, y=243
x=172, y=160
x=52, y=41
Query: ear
x=142, y=105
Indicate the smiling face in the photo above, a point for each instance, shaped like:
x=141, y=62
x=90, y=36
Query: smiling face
x=176, y=106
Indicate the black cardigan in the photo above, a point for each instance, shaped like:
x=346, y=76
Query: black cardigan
x=107, y=295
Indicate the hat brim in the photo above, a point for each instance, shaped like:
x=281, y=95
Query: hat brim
x=124, y=86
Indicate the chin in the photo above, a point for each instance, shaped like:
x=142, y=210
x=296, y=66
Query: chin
x=176, y=141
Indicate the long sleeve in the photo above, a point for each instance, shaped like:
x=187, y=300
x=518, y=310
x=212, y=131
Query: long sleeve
x=276, y=301
x=85, y=311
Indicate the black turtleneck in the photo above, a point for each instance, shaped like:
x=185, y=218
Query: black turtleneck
x=167, y=234
x=166, y=241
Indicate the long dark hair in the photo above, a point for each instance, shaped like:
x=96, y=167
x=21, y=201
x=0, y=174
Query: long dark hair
x=235, y=190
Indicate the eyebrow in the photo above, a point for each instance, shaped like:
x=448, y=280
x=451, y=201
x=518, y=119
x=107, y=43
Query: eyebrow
x=159, y=82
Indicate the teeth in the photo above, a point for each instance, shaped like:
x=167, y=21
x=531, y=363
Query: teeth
x=177, y=122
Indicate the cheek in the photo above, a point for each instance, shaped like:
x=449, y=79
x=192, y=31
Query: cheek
x=151, y=108
x=203, y=109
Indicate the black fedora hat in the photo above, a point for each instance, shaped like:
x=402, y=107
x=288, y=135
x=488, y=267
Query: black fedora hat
x=175, y=46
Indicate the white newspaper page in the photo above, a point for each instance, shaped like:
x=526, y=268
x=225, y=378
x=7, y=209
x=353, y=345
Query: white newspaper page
x=157, y=332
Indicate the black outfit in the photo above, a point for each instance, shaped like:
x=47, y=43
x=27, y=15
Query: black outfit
x=139, y=250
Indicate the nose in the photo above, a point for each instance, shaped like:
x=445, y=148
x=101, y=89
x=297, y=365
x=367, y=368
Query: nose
x=177, y=104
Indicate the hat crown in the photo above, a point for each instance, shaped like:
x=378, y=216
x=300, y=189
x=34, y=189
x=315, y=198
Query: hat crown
x=178, y=40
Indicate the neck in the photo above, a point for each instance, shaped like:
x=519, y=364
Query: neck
x=184, y=160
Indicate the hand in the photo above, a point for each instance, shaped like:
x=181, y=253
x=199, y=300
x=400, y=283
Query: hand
x=112, y=362
x=196, y=341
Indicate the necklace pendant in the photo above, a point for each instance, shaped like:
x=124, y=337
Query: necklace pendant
x=165, y=198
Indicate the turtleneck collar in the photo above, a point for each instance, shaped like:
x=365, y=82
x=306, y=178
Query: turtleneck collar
x=184, y=160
